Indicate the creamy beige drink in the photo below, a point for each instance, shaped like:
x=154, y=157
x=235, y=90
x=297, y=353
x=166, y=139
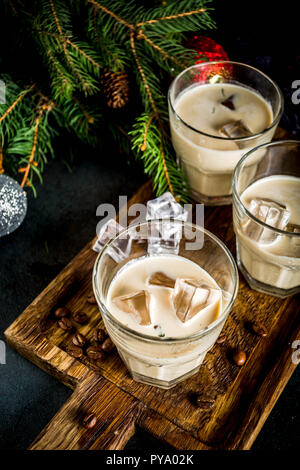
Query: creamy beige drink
x=227, y=112
x=167, y=284
x=165, y=296
x=270, y=257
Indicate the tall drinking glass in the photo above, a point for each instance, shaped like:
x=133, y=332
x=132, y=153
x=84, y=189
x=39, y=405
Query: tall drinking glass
x=266, y=217
x=218, y=111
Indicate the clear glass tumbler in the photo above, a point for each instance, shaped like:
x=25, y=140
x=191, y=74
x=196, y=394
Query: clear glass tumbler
x=208, y=160
x=164, y=362
x=268, y=257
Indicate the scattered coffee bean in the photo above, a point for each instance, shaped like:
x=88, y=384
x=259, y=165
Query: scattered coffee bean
x=80, y=317
x=259, y=329
x=221, y=338
x=89, y=420
x=239, y=357
x=79, y=340
x=61, y=312
x=91, y=299
x=74, y=351
x=205, y=404
x=95, y=353
x=99, y=335
x=65, y=324
x=108, y=345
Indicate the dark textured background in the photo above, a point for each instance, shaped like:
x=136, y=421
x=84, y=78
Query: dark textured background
x=62, y=220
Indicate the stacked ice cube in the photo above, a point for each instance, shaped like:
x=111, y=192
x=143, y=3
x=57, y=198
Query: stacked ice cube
x=164, y=234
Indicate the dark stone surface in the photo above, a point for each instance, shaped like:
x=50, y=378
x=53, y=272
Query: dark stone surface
x=62, y=220
x=58, y=224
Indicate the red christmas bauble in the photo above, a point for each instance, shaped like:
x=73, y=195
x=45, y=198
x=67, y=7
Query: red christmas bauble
x=207, y=47
x=209, y=51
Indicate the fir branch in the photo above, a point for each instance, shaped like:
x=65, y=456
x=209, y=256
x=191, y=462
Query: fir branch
x=88, y=117
x=144, y=144
x=111, y=13
x=142, y=73
x=62, y=81
x=119, y=36
x=186, y=15
x=14, y=104
x=34, y=145
x=165, y=54
x=157, y=158
x=172, y=17
x=85, y=51
x=79, y=118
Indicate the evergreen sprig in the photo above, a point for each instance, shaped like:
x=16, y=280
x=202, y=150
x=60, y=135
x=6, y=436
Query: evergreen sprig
x=78, y=42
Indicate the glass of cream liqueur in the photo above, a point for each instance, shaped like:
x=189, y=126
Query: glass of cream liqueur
x=266, y=217
x=164, y=306
x=218, y=111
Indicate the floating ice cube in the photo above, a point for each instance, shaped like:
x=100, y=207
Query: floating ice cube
x=162, y=280
x=229, y=102
x=165, y=207
x=235, y=130
x=164, y=237
x=108, y=231
x=136, y=304
x=121, y=247
x=190, y=297
x=271, y=213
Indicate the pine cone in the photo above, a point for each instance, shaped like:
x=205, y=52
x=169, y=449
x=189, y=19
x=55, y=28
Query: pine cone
x=115, y=88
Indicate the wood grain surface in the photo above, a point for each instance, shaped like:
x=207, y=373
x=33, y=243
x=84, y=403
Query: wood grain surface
x=243, y=396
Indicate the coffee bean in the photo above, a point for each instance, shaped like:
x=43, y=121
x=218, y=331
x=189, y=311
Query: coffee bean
x=221, y=338
x=99, y=335
x=89, y=420
x=239, y=357
x=65, y=324
x=204, y=404
x=79, y=340
x=91, y=299
x=61, y=312
x=108, y=345
x=74, y=351
x=94, y=353
x=80, y=317
x=259, y=329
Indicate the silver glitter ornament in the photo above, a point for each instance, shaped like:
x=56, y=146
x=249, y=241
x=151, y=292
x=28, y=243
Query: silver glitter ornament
x=13, y=205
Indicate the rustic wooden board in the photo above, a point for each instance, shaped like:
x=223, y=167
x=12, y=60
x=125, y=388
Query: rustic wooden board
x=243, y=396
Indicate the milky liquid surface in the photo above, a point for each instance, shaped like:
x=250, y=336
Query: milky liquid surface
x=201, y=107
x=133, y=277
